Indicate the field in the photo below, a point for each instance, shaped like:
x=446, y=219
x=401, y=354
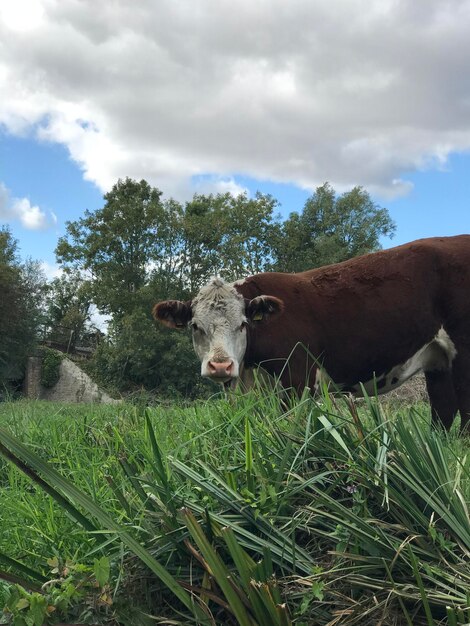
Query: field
x=233, y=512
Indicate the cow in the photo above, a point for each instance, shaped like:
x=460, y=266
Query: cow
x=370, y=322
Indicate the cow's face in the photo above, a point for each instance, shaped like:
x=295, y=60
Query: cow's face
x=219, y=317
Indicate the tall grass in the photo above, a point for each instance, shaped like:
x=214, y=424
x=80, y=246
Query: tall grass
x=231, y=512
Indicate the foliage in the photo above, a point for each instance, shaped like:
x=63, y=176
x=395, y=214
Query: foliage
x=68, y=305
x=50, y=366
x=318, y=514
x=21, y=288
x=250, y=588
x=331, y=229
x=36, y=288
x=75, y=591
x=116, y=244
x=137, y=354
x=136, y=240
x=226, y=236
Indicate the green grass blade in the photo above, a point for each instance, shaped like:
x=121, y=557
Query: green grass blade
x=243, y=562
x=422, y=591
x=331, y=430
x=219, y=570
x=21, y=567
x=249, y=456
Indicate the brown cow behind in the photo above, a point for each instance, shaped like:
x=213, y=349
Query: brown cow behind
x=376, y=320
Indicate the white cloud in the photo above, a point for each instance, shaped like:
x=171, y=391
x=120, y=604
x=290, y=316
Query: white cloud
x=218, y=184
x=351, y=92
x=51, y=270
x=21, y=15
x=30, y=216
x=4, y=198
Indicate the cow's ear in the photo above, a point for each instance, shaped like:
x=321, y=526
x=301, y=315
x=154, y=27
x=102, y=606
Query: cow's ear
x=173, y=313
x=263, y=308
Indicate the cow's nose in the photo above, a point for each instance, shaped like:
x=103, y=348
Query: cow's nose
x=220, y=370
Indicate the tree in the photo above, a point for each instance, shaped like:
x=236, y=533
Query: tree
x=202, y=233
x=137, y=240
x=67, y=316
x=21, y=308
x=116, y=244
x=331, y=229
x=250, y=227
x=227, y=236
x=168, y=273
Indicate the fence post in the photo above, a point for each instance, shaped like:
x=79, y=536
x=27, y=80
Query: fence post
x=32, y=382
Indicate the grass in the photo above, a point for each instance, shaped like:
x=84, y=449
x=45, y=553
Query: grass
x=239, y=512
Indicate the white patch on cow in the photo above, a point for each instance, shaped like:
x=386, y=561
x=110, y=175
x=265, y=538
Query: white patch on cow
x=219, y=327
x=438, y=354
x=239, y=283
x=446, y=343
x=321, y=377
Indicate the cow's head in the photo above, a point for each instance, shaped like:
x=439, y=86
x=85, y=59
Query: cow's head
x=219, y=317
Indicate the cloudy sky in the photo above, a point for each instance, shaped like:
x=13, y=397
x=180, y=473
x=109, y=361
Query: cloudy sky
x=206, y=95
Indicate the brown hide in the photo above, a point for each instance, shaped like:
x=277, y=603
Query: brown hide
x=361, y=317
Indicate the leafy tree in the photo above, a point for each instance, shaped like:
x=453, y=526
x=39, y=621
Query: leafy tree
x=136, y=240
x=36, y=287
x=8, y=248
x=68, y=308
x=202, y=231
x=116, y=244
x=250, y=227
x=21, y=291
x=168, y=273
x=227, y=236
x=331, y=229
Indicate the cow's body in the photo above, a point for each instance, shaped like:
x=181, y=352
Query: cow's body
x=375, y=319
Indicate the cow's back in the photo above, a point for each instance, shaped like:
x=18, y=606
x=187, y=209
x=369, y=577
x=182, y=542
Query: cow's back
x=368, y=313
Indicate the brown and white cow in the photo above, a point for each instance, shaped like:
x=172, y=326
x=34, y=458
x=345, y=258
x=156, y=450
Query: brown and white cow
x=376, y=319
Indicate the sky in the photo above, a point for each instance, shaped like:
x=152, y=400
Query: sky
x=274, y=95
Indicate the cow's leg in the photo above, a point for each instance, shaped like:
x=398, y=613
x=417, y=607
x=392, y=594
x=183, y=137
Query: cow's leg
x=442, y=397
x=461, y=380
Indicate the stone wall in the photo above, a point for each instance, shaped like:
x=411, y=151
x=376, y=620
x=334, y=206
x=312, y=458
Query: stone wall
x=73, y=385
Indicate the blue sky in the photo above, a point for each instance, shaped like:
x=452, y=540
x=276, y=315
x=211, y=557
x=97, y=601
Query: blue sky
x=186, y=96
x=44, y=173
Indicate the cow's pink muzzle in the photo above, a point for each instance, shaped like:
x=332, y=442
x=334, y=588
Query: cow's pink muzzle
x=220, y=371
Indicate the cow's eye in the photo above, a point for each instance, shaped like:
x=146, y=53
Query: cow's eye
x=243, y=326
x=196, y=328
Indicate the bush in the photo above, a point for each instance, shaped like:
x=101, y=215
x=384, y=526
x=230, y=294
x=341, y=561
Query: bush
x=140, y=356
x=50, y=366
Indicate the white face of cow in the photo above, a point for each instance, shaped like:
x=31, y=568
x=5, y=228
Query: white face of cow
x=219, y=327
x=219, y=317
